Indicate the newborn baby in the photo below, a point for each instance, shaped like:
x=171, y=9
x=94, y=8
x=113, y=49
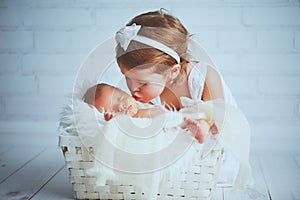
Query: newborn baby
x=111, y=101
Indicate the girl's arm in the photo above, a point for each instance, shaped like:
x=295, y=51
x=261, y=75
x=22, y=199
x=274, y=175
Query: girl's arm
x=213, y=88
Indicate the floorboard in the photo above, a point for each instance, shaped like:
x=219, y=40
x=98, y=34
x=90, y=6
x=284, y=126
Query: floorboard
x=15, y=159
x=4, y=148
x=257, y=190
x=297, y=159
x=218, y=194
x=282, y=175
x=26, y=182
x=57, y=188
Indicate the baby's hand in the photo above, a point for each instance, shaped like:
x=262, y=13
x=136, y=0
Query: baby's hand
x=108, y=116
x=213, y=129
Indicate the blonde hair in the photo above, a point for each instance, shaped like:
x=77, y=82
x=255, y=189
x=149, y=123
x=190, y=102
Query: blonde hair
x=161, y=27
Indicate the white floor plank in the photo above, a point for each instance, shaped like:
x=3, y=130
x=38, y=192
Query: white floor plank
x=282, y=175
x=27, y=181
x=256, y=191
x=249, y=193
x=29, y=139
x=218, y=194
x=16, y=158
x=57, y=188
x=297, y=159
x=4, y=148
x=259, y=189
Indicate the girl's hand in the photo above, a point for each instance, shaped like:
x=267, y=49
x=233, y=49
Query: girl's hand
x=108, y=116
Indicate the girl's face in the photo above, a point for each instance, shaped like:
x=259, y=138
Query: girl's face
x=144, y=84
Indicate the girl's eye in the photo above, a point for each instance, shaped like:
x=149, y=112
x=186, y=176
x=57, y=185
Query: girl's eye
x=143, y=83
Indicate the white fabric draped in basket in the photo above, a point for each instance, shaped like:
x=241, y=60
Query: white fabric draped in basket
x=107, y=139
x=234, y=133
x=144, y=163
x=126, y=159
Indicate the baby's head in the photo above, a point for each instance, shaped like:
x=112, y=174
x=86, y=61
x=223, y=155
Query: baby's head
x=110, y=99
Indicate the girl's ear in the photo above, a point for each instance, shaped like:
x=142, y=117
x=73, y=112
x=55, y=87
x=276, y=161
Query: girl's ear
x=175, y=70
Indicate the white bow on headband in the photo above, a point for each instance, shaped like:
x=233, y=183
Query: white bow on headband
x=128, y=33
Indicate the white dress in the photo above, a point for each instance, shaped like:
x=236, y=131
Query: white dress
x=196, y=79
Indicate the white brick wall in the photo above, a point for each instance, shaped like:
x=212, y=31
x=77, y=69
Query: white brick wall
x=285, y=14
x=275, y=40
x=255, y=43
x=12, y=40
x=297, y=40
x=18, y=84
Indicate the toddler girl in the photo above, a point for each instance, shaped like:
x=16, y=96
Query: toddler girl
x=152, y=54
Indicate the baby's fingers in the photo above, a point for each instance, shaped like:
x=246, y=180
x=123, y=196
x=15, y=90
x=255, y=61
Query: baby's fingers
x=213, y=129
x=108, y=116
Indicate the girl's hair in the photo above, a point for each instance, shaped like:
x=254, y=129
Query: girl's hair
x=161, y=27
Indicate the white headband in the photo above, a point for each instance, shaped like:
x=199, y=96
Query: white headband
x=128, y=33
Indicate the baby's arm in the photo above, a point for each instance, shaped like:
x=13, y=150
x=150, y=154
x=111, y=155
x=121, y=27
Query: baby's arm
x=148, y=113
x=141, y=113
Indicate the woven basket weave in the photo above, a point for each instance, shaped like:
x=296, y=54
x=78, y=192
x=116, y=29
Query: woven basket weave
x=197, y=182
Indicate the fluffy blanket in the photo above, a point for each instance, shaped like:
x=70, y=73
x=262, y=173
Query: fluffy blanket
x=140, y=151
x=145, y=151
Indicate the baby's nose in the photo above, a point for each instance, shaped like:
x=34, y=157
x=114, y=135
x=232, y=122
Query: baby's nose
x=122, y=107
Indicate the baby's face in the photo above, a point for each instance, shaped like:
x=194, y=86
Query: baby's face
x=116, y=101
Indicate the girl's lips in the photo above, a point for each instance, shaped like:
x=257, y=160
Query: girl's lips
x=136, y=97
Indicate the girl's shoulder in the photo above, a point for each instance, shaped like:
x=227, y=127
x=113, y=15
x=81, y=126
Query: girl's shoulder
x=196, y=74
x=201, y=70
x=197, y=70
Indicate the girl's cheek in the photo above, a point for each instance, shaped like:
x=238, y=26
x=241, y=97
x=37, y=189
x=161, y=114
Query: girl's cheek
x=151, y=93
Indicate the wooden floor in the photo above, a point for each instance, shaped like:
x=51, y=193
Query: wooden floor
x=32, y=167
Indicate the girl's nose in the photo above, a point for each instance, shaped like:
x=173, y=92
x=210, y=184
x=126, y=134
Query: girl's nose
x=135, y=87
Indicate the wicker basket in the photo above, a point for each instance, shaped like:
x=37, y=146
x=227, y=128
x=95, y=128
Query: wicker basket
x=198, y=182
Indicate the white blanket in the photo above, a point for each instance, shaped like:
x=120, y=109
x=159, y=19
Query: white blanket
x=140, y=151
x=126, y=148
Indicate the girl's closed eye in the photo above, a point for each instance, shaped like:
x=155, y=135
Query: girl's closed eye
x=142, y=83
x=127, y=78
